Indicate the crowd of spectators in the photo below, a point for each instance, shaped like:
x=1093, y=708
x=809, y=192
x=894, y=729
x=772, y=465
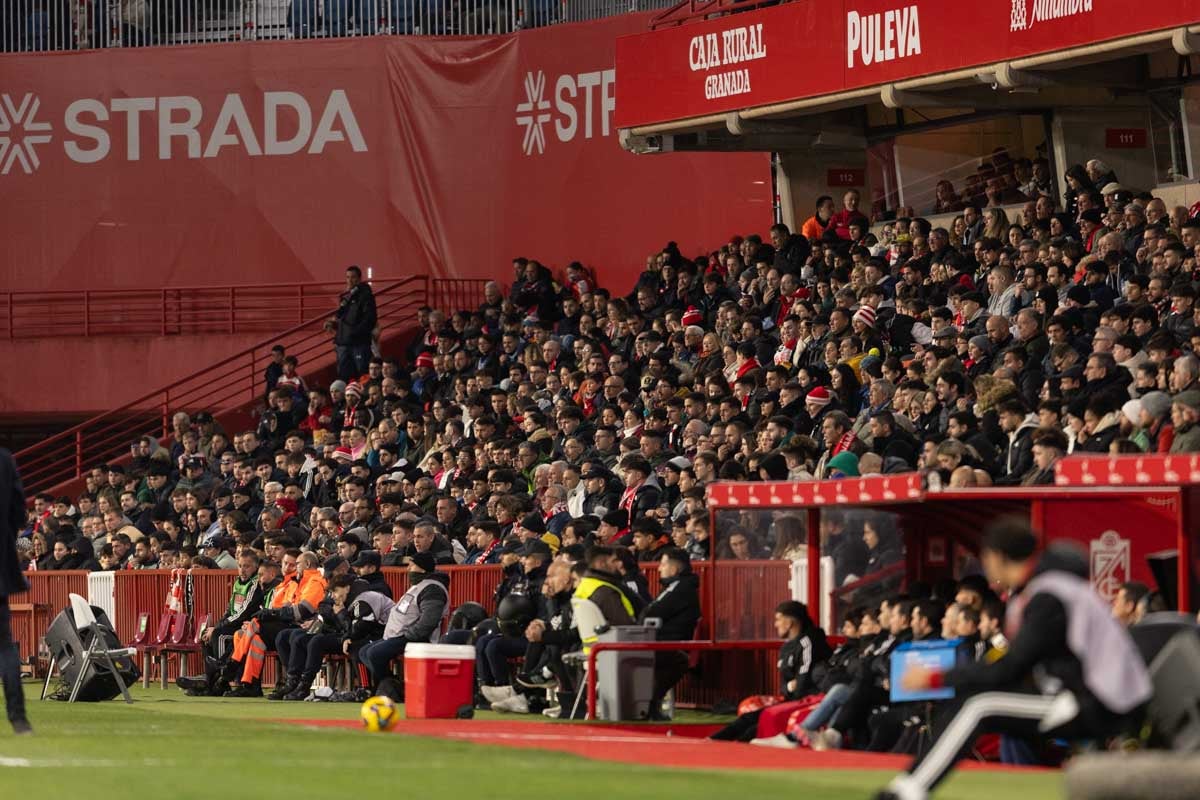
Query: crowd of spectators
x=557, y=416
x=559, y=410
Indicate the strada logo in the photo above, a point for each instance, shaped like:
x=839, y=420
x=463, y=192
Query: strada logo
x=882, y=37
x=1027, y=13
x=179, y=131
x=536, y=111
x=24, y=117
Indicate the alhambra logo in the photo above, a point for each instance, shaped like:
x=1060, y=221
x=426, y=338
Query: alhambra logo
x=1027, y=13
x=533, y=113
x=20, y=133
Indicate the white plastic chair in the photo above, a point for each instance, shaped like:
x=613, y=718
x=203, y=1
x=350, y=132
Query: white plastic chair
x=96, y=651
x=589, y=620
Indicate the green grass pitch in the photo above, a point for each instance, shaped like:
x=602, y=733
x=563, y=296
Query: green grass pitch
x=167, y=745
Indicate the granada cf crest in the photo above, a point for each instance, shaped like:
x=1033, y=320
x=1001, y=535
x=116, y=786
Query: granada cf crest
x=1109, y=564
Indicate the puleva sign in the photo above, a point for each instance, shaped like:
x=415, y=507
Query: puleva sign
x=177, y=126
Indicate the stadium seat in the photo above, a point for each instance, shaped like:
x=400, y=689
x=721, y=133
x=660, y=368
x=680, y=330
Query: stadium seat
x=147, y=649
x=180, y=642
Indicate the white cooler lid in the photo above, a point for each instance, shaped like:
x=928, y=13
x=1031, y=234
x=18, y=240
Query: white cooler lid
x=451, y=652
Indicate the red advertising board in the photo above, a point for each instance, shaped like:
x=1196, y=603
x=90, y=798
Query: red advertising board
x=262, y=162
x=809, y=48
x=1117, y=534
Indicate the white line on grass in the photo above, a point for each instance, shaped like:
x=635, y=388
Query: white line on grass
x=48, y=763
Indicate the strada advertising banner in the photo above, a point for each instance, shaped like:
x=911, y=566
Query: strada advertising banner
x=809, y=48
x=262, y=162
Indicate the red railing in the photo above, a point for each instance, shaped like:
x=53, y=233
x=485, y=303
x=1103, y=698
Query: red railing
x=170, y=311
x=223, y=386
x=193, y=310
x=457, y=294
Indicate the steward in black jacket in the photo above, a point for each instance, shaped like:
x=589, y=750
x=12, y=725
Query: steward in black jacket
x=677, y=609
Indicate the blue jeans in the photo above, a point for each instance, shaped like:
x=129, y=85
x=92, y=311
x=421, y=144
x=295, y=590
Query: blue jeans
x=829, y=705
x=377, y=657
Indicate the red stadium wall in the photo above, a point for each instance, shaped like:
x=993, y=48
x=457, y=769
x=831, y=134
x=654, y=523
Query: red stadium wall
x=259, y=162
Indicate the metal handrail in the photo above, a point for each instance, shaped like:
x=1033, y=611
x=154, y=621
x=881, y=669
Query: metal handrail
x=225, y=385
x=91, y=24
x=166, y=311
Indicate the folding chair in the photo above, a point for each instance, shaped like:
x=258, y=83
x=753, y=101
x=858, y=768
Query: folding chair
x=96, y=651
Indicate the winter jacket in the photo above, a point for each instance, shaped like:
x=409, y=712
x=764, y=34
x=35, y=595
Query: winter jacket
x=1018, y=457
x=1107, y=429
x=1187, y=440
x=355, y=316
x=838, y=667
x=376, y=582
x=797, y=658
x=677, y=606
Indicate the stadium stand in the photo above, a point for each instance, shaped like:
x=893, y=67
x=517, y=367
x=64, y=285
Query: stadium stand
x=977, y=355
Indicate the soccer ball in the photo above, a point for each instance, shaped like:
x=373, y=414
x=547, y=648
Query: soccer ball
x=379, y=714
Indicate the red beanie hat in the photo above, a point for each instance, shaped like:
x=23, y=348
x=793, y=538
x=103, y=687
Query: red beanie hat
x=425, y=360
x=819, y=396
x=692, y=317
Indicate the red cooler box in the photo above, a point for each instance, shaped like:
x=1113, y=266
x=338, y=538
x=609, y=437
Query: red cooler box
x=439, y=679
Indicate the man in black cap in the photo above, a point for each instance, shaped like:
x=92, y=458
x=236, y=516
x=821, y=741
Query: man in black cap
x=600, y=499
x=974, y=314
x=366, y=566
x=531, y=527
x=12, y=519
x=416, y=617
x=196, y=477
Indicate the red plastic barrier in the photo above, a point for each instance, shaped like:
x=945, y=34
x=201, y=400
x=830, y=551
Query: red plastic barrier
x=747, y=592
x=47, y=596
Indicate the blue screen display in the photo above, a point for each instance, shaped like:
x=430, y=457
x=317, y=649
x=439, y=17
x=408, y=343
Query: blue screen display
x=939, y=655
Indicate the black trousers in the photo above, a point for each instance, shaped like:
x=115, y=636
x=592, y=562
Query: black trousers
x=854, y=714
x=10, y=666
x=741, y=729
x=1019, y=714
x=308, y=652
x=669, y=668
